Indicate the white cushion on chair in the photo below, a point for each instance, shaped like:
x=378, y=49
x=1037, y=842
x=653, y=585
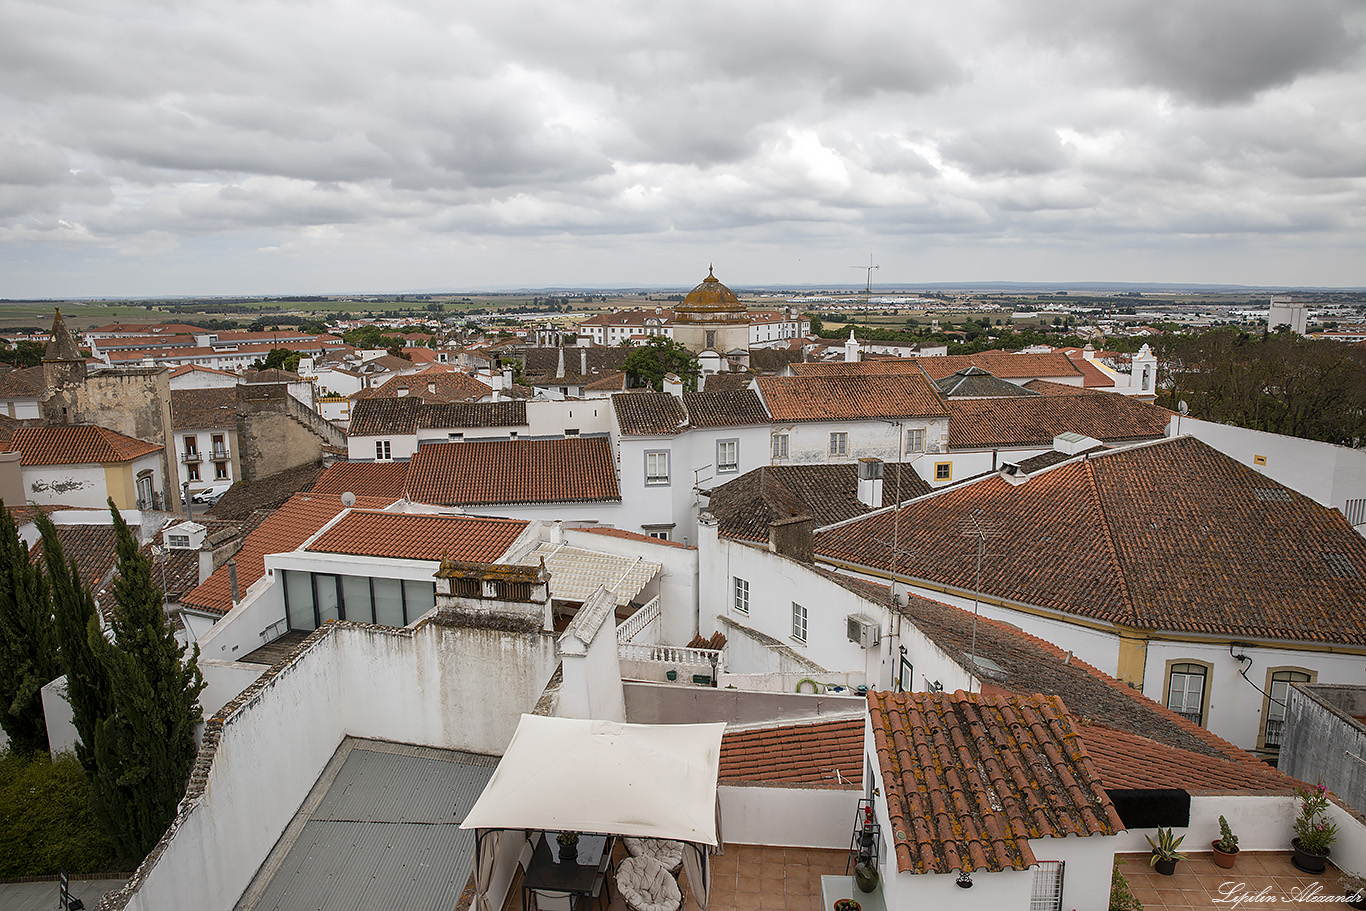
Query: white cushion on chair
x=646, y=885
x=668, y=853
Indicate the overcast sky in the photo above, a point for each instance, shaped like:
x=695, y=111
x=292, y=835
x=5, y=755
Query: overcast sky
x=154, y=147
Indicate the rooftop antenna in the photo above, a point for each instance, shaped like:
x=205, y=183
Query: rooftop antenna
x=868, y=270
x=973, y=528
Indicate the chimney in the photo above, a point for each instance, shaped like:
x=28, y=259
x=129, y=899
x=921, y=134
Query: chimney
x=583, y=362
x=232, y=581
x=205, y=563
x=793, y=537
x=870, y=483
x=851, y=348
x=559, y=370
x=673, y=385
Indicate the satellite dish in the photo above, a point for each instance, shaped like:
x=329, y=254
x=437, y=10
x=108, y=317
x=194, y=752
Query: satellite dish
x=348, y=499
x=1182, y=407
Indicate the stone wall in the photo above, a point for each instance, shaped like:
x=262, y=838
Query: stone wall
x=1323, y=742
x=270, y=438
x=133, y=401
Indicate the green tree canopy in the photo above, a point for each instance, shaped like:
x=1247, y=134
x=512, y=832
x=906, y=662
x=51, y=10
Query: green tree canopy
x=658, y=357
x=279, y=359
x=144, y=748
x=28, y=645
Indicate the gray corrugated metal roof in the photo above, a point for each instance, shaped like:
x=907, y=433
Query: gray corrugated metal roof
x=385, y=835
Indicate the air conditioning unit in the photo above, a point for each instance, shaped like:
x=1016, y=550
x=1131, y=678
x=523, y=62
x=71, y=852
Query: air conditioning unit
x=864, y=630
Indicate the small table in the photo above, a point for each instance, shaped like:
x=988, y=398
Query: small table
x=546, y=874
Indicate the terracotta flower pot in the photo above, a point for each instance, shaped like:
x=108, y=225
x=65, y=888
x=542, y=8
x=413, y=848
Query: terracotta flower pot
x=1223, y=858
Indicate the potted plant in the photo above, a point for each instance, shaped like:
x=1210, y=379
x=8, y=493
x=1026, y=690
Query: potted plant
x=1165, y=854
x=1314, y=834
x=1226, y=848
x=1354, y=887
x=569, y=847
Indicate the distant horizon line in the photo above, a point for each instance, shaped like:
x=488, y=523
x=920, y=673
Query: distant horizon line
x=900, y=287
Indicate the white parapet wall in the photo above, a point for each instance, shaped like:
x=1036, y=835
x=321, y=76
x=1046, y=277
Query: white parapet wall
x=263, y=752
x=794, y=817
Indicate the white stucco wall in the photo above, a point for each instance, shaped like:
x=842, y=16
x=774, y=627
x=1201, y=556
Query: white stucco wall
x=809, y=441
x=677, y=582
x=362, y=681
x=223, y=680
x=66, y=485
x=794, y=817
x=775, y=584
x=1324, y=472
x=551, y=419
x=1234, y=707
x=362, y=448
x=202, y=379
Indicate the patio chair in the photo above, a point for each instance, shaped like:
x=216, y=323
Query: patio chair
x=668, y=853
x=646, y=885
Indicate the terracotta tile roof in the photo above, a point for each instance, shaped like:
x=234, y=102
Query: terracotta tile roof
x=835, y=398
x=21, y=384
x=724, y=409
x=483, y=472
x=634, y=536
x=974, y=382
x=284, y=530
x=91, y=546
x=726, y=382
x=615, y=382
x=183, y=369
x=875, y=367
x=745, y=506
x=773, y=360
x=970, y=779
x=1028, y=664
x=472, y=414
x=383, y=416
x=1092, y=375
x=825, y=754
x=245, y=497
x=78, y=444
x=204, y=409
x=429, y=386
x=1047, y=387
x=650, y=413
x=1126, y=761
x=1169, y=536
x=542, y=365
x=411, y=536
x=1036, y=420
x=1003, y=364
x=1053, y=457
x=7, y=427
x=364, y=479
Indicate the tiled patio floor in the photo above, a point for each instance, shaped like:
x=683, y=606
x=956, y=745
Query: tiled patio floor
x=1198, y=882
x=745, y=878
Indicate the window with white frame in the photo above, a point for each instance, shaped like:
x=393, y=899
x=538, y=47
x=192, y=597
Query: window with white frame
x=1278, y=692
x=1046, y=891
x=839, y=443
x=657, y=467
x=192, y=472
x=220, y=471
x=1186, y=691
x=741, y=595
x=779, y=446
x=727, y=455
x=798, y=622
x=915, y=440
x=382, y=451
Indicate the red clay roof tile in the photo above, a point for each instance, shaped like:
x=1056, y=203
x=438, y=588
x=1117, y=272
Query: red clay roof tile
x=970, y=779
x=479, y=472
x=79, y=444
x=836, y=398
x=411, y=536
x=828, y=753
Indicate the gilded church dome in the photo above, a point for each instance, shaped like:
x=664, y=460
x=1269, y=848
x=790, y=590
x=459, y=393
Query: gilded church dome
x=710, y=301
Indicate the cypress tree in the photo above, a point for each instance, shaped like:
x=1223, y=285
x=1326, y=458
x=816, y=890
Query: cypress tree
x=87, y=685
x=143, y=748
x=28, y=647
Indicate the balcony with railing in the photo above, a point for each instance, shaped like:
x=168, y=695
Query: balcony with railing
x=1274, y=727
x=220, y=454
x=191, y=456
x=1192, y=717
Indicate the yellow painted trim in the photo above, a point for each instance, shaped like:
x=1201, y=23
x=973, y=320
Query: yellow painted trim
x=937, y=466
x=119, y=484
x=1133, y=658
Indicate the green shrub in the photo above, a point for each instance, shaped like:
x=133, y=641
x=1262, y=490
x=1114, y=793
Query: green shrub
x=1121, y=898
x=45, y=821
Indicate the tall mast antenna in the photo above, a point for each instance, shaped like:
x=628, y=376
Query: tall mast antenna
x=868, y=269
